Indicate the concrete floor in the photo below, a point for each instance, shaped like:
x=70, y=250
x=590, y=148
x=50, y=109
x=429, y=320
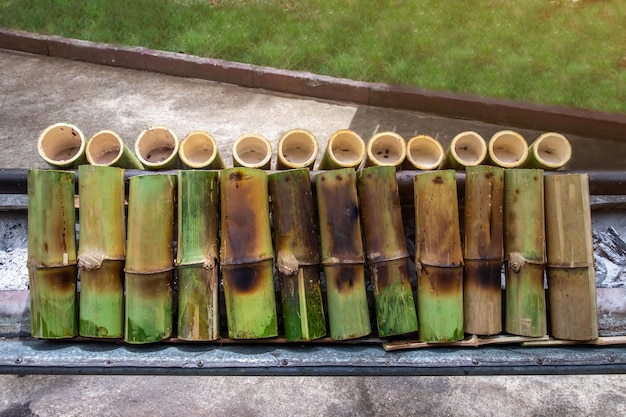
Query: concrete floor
x=36, y=91
x=306, y=396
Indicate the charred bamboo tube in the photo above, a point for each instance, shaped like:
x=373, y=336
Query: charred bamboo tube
x=52, y=254
x=438, y=257
x=524, y=249
x=387, y=255
x=342, y=254
x=297, y=148
x=198, y=255
x=297, y=254
x=101, y=252
x=106, y=148
x=252, y=150
x=423, y=152
x=157, y=148
x=198, y=150
x=466, y=149
x=386, y=149
x=247, y=254
x=549, y=151
x=570, y=268
x=345, y=149
x=483, y=251
x=508, y=149
x=62, y=145
x=149, y=258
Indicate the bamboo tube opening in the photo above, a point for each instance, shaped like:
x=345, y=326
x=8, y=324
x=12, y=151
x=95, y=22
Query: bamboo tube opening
x=386, y=148
x=468, y=148
x=198, y=150
x=61, y=145
x=297, y=149
x=508, y=149
x=552, y=150
x=345, y=149
x=104, y=148
x=252, y=151
x=156, y=147
x=424, y=152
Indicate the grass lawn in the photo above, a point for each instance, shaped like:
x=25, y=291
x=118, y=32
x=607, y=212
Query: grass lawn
x=547, y=51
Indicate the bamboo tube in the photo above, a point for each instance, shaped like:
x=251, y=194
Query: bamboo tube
x=424, y=153
x=198, y=150
x=62, y=145
x=157, y=148
x=297, y=254
x=508, y=149
x=106, y=148
x=570, y=258
x=439, y=260
x=549, y=151
x=524, y=248
x=52, y=261
x=297, y=148
x=385, y=149
x=149, y=258
x=466, y=149
x=101, y=252
x=345, y=149
x=342, y=254
x=247, y=254
x=198, y=255
x=387, y=254
x=252, y=150
x=483, y=250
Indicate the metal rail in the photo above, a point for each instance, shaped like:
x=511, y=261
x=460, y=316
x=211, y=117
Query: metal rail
x=14, y=180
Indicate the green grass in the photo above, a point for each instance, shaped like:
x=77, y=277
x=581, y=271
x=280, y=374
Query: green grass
x=547, y=51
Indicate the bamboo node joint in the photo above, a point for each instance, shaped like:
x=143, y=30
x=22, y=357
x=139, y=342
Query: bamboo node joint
x=516, y=261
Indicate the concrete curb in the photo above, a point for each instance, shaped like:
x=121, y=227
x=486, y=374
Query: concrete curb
x=503, y=112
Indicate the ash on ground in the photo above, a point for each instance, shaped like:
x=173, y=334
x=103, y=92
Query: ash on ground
x=610, y=257
x=13, y=253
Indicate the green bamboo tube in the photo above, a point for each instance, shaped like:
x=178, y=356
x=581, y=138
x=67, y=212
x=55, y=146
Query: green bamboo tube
x=198, y=310
x=297, y=148
x=438, y=257
x=297, y=254
x=507, y=149
x=302, y=304
x=102, y=301
x=483, y=250
x=101, y=252
x=524, y=248
x=385, y=149
x=252, y=150
x=342, y=254
x=345, y=149
x=198, y=255
x=570, y=258
x=106, y=148
x=157, y=148
x=387, y=255
x=423, y=152
x=52, y=261
x=549, y=151
x=148, y=307
x=198, y=150
x=149, y=258
x=62, y=145
x=53, y=302
x=466, y=149
x=247, y=254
